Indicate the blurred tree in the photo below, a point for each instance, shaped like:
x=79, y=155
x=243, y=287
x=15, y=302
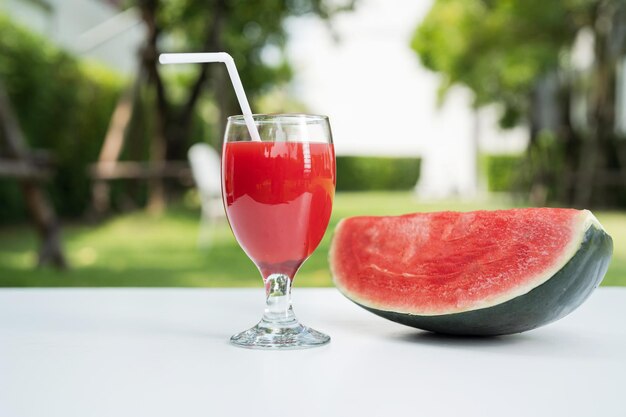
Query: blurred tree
x=42, y=4
x=518, y=54
x=252, y=32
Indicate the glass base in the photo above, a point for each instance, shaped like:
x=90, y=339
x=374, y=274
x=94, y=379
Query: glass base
x=267, y=335
x=279, y=328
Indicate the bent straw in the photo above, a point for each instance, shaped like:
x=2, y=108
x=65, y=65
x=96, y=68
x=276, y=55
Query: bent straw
x=207, y=57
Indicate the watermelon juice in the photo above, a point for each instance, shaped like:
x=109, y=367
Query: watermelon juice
x=278, y=197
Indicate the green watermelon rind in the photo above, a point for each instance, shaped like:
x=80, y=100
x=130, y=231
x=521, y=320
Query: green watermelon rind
x=558, y=296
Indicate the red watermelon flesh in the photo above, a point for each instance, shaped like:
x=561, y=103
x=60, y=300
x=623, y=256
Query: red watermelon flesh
x=450, y=262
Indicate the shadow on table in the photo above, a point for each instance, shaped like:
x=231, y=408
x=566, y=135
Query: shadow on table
x=437, y=339
x=556, y=344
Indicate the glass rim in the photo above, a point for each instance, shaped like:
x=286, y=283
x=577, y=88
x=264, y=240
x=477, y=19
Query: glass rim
x=287, y=118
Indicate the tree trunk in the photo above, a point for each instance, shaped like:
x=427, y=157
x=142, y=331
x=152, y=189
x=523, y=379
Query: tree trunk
x=42, y=212
x=172, y=126
x=537, y=188
x=111, y=149
x=47, y=225
x=570, y=144
x=149, y=61
x=156, y=186
x=593, y=156
x=180, y=128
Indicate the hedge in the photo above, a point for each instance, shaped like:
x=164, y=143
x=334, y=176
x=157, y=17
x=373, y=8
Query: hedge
x=63, y=106
x=359, y=173
x=503, y=172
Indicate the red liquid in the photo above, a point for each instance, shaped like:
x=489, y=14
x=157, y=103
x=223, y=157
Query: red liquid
x=278, y=197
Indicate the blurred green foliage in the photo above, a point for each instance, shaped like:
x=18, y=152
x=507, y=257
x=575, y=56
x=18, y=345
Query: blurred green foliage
x=502, y=171
x=254, y=34
x=63, y=106
x=360, y=173
x=553, y=66
x=497, y=48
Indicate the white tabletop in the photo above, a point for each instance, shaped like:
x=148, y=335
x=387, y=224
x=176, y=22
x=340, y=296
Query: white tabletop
x=165, y=352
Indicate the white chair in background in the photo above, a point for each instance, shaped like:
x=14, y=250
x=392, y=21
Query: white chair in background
x=205, y=169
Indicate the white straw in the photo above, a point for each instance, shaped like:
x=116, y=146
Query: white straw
x=206, y=57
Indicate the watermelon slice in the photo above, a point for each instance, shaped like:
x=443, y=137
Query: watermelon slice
x=475, y=273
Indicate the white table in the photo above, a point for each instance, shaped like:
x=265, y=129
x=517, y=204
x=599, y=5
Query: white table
x=164, y=352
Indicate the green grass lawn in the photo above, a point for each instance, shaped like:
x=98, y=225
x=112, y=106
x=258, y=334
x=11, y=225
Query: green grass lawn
x=141, y=250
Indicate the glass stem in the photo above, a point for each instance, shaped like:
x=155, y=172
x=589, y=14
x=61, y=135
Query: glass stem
x=278, y=311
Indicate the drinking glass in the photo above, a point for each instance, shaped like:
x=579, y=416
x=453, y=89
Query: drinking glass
x=278, y=194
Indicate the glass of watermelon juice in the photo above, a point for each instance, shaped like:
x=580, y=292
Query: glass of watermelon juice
x=278, y=195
